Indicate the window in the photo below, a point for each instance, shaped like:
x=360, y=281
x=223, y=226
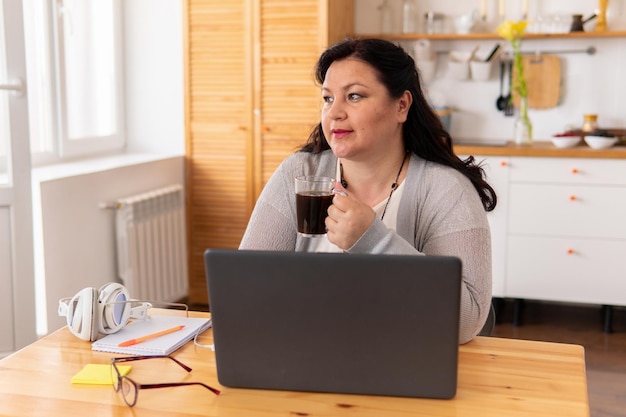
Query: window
x=4, y=109
x=74, y=66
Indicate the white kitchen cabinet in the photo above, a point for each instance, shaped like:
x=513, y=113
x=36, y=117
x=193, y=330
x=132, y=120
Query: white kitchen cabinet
x=567, y=210
x=566, y=269
x=566, y=234
x=601, y=171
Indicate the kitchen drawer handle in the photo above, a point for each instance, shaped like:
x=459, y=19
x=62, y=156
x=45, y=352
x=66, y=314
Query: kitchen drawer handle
x=572, y=198
x=575, y=171
x=570, y=251
x=503, y=163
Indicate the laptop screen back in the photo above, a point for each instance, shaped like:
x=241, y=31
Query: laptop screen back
x=322, y=322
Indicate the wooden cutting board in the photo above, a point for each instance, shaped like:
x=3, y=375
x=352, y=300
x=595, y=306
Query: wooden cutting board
x=543, y=80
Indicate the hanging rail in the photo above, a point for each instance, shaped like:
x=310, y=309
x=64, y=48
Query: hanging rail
x=590, y=51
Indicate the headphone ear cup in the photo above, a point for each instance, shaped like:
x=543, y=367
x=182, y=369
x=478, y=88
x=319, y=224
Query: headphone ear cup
x=113, y=308
x=81, y=314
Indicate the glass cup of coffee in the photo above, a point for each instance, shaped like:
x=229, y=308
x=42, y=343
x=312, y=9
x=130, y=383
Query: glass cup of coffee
x=313, y=197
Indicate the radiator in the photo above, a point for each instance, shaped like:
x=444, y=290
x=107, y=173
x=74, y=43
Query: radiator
x=151, y=244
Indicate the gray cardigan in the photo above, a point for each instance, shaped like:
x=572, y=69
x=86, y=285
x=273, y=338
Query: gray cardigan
x=440, y=213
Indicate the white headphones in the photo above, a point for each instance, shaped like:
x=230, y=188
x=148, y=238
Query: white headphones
x=107, y=310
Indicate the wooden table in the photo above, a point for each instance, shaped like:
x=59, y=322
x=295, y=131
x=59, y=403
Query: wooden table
x=497, y=377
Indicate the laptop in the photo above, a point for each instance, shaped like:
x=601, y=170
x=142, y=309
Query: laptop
x=336, y=323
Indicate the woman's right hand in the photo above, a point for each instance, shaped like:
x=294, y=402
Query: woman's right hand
x=348, y=219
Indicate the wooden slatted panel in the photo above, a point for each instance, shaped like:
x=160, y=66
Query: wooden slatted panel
x=230, y=153
x=290, y=100
x=219, y=130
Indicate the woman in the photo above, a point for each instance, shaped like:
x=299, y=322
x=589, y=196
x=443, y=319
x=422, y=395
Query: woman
x=401, y=189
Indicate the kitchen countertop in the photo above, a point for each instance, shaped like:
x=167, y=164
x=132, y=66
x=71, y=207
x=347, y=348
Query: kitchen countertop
x=539, y=149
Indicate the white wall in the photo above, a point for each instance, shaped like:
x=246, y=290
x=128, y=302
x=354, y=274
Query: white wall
x=77, y=249
x=590, y=83
x=154, y=65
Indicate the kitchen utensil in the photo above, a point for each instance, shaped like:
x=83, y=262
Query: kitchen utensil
x=473, y=53
x=509, y=109
x=578, y=22
x=500, y=102
x=492, y=54
x=543, y=80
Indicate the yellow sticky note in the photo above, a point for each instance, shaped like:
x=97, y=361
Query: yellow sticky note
x=98, y=374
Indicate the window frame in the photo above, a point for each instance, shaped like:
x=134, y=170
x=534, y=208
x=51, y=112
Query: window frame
x=53, y=101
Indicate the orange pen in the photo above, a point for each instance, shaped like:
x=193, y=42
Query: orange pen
x=150, y=336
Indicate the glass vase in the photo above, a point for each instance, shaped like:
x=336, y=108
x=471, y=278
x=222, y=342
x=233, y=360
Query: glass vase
x=523, y=132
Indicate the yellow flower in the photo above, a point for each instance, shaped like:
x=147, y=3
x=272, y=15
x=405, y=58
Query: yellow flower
x=510, y=30
x=513, y=32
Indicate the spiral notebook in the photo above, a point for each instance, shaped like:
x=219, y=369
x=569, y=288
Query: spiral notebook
x=162, y=345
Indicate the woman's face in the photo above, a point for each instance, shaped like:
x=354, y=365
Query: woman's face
x=359, y=117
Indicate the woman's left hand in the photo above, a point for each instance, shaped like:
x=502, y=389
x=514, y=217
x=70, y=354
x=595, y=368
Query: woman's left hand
x=347, y=219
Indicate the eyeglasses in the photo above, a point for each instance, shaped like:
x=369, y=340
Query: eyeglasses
x=130, y=389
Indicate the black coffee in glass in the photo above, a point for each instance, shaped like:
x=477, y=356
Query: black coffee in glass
x=312, y=209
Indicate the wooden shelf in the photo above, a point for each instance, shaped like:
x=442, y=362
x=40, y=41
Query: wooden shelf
x=489, y=36
x=541, y=149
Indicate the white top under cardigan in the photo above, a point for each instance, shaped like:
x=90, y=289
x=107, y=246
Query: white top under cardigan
x=439, y=213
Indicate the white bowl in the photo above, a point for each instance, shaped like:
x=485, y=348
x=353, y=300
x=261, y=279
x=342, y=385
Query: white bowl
x=600, y=142
x=566, y=141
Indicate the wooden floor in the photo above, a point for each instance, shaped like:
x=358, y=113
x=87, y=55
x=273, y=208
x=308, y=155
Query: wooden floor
x=605, y=353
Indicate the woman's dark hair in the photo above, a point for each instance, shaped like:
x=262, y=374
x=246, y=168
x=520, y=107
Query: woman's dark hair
x=423, y=131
